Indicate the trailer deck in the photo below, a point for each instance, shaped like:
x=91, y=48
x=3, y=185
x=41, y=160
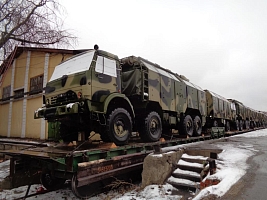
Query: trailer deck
x=86, y=163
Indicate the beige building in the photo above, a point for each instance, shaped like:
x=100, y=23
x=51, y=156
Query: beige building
x=23, y=77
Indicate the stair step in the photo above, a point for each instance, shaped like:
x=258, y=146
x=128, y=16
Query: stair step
x=195, y=159
x=192, y=160
x=184, y=174
x=190, y=168
x=182, y=183
x=195, y=167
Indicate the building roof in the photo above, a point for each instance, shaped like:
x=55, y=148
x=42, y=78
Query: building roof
x=18, y=50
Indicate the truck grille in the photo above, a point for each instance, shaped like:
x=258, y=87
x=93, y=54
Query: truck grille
x=69, y=96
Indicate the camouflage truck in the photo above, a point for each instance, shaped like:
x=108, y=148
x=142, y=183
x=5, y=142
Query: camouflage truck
x=245, y=117
x=162, y=98
x=95, y=91
x=219, y=113
x=238, y=115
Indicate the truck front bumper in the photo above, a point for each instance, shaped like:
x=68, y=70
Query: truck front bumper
x=57, y=111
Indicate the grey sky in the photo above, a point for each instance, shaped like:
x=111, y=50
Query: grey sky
x=219, y=45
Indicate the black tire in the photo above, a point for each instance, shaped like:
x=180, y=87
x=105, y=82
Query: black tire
x=247, y=125
x=240, y=125
x=251, y=125
x=237, y=125
x=188, y=125
x=167, y=133
x=67, y=133
x=50, y=182
x=119, y=126
x=215, y=123
x=151, y=128
x=86, y=191
x=197, y=126
x=227, y=126
x=104, y=135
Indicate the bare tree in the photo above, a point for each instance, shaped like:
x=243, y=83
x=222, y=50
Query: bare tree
x=32, y=23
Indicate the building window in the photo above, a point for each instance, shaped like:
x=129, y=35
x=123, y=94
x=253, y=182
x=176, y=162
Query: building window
x=6, y=93
x=18, y=93
x=36, y=84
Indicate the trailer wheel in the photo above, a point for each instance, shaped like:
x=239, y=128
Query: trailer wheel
x=119, y=126
x=188, y=125
x=151, y=128
x=227, y=126
x=197, y=126
x=86, y=191
x=50, y=182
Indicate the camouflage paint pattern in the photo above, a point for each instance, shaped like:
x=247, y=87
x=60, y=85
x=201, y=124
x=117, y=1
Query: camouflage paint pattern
x=246, y=113
x=86, y=86
x=135, y=76
x=218, y=106
x=172, y=92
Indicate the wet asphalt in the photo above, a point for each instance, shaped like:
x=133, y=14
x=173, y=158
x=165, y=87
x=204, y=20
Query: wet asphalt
x=253, y=185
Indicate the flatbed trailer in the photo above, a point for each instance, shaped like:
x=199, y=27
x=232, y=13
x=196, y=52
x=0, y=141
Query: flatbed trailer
x=85, y=164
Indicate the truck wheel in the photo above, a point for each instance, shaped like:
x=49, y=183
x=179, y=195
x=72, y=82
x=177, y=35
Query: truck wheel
x=227, y=126
x=237, y=125
x=241, y=125
x=151, y=128
x=67, y=133
x=104, y=135
x=215, y=123
x=188, y=125
x=197, y=126
x=247, y=124
x=251, y=125
x=119, y=126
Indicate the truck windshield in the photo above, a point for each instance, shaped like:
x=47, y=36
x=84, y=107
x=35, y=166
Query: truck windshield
x=75, y=64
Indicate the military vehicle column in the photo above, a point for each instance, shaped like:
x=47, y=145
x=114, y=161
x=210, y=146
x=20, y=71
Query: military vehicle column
x=97, y=92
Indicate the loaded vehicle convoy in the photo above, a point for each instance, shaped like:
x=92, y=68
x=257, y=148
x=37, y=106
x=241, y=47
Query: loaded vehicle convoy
x=96, y=91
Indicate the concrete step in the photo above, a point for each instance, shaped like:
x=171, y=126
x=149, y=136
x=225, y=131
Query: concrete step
x=194, y=159
x=183, y=183
x=184, y=174
x=190, y=166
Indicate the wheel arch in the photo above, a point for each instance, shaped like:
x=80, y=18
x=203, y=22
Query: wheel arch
x=118, y=100
x=154, y=106
x=193, y=112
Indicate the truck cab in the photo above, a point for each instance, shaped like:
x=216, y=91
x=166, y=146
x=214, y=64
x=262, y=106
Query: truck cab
x=81, y=95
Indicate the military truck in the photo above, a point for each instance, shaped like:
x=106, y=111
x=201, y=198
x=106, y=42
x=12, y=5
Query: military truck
x=219, y=112
x=97, y=91
x=245, y=117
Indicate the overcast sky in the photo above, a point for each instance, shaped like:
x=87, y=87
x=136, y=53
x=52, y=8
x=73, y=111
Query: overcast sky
x=219, y=45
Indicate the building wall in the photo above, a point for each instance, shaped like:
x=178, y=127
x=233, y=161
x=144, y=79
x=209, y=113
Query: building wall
x=16, y=115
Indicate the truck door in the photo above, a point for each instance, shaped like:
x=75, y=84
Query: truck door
x=104, y=78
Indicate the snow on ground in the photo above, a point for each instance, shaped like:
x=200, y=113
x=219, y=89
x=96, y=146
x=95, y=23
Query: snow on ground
x=4, y=169
x=231, y=166
x=258, y=133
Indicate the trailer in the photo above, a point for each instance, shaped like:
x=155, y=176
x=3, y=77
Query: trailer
x=87, y=165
